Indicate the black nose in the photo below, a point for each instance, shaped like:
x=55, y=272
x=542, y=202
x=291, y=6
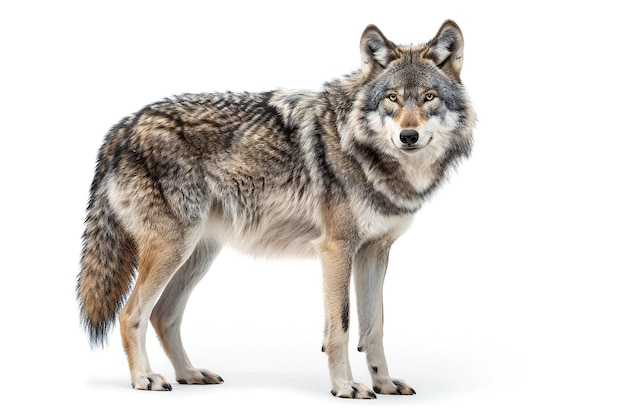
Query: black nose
x=409, y=136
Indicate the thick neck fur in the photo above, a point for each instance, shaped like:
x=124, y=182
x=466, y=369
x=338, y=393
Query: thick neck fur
x=394, y=182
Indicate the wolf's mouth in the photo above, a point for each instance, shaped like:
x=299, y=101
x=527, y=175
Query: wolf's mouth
x=410, y=149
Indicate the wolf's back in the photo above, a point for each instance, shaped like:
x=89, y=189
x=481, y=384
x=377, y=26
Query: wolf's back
x=108, y=258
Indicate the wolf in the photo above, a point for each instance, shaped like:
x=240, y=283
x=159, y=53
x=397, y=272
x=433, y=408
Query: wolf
x=337, y=173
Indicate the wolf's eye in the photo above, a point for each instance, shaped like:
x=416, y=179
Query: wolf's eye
x=392, y=97
x=429, y=97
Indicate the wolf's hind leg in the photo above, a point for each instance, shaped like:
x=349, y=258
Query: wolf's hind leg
x=159, y=258
x=369, y=272
x=168, y=313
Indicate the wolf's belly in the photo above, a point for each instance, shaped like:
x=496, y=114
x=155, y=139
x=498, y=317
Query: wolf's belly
x=267, y=237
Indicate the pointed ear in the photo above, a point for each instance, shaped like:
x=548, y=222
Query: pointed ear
x=446, y=49
x=376, y=50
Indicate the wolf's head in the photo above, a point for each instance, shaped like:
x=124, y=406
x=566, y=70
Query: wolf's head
x=412, y=96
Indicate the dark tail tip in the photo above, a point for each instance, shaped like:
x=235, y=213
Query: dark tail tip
x=97, y=332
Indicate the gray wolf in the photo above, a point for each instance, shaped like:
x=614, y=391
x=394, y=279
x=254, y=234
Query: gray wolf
x=337, y=174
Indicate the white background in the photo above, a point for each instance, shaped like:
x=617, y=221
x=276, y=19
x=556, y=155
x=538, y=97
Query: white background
x=505, y=298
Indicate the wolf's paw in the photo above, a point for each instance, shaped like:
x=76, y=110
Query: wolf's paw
x=150, y=382
x=198, y=376
x=353, y=390
x=392, y=386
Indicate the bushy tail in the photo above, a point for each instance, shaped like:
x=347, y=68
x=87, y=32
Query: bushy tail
x=107, y=267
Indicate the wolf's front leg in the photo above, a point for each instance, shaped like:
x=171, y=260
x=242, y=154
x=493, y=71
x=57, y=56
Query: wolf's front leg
x=369, y=272
x=337, y=264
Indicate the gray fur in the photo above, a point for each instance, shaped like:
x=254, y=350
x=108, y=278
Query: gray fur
x=282, y=172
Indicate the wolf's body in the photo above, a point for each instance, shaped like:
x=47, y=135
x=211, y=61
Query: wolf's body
x=337, y=174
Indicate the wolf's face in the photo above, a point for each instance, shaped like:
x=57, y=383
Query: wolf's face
x=414, y=97
x=413, y=104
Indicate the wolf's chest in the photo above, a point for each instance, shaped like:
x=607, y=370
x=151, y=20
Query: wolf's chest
x=373, y=225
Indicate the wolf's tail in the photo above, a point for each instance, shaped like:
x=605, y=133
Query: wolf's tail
x=107, y=265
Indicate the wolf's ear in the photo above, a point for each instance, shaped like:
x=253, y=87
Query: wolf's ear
x=446, y=49
x=376, y=50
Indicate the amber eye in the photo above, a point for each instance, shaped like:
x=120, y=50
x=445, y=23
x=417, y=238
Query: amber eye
x=429, y=97
x=392, y=97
